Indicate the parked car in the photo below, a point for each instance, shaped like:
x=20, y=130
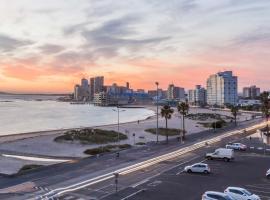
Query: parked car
x=241, y=194
x=236, y=146
x=268, y=173
x=221, y=153
x=198, y=168
x=211, y=195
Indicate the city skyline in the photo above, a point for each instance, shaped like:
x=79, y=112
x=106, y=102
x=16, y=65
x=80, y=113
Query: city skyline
x=48, y=47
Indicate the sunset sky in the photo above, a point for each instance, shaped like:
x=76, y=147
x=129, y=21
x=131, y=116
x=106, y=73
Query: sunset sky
x=48, y=46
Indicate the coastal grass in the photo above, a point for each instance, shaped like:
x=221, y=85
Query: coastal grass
x=27, y=168
x=217, y=124
x=164, y=131
x=90, y=136
x=106, y=149
x=207, y=116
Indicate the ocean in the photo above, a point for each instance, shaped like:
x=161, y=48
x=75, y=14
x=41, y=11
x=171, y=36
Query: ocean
x=31, y=113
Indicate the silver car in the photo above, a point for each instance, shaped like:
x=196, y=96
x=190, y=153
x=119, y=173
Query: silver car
x=236, y=146
x=198, y=168
x=268, y=173
x=212, y=195
x=241, y=194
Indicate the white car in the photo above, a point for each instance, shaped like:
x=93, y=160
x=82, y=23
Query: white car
x=241, y=194
x=198, y=168
x=236, y=146
x=211, y=195
x=268, y=174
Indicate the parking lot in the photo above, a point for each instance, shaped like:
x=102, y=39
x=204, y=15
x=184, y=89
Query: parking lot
x=247, y=171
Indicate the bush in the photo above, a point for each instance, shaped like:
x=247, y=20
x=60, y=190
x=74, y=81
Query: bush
x=106, y=149
x=140, y=143
x=164, y=131
x=218, y=124
x=28, y=168
x=90, y=136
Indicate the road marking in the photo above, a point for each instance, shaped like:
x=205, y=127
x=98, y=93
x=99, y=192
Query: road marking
x=260, y=191
x=252, y=147
x=133, y=194
x=260, y=148
x=140, y=183
x=146, y=163
x=260, y=187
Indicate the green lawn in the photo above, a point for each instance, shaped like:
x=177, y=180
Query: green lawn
x=164, y=131
x=90, y=136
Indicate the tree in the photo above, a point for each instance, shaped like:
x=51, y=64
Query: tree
x=265, y=105
x=266, y=108
x=166, y=112
x=183, y=109
x=235, y=111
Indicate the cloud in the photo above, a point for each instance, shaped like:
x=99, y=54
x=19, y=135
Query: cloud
x=51, y=48
x=118, y=34
x=8, y=44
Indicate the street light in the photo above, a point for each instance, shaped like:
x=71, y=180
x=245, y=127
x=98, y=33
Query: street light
x=118, y=121
x=157, y=111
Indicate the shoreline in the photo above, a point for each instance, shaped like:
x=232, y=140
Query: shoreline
x=26, y=135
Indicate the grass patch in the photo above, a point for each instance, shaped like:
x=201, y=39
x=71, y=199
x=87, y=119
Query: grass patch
x=90, y=136
x=164, y=131
x=106, y=149
x=207, y=116
x=27, y=168
x=140, y=143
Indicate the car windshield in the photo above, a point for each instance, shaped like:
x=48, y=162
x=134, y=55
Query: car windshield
x=247, y=192
x=228, y=198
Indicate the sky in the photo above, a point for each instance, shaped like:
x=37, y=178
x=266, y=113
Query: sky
x=48, y=46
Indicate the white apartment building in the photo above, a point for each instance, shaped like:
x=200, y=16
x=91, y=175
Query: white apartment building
x=222, y=89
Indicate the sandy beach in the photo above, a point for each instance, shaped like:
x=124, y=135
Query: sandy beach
x=42, y=144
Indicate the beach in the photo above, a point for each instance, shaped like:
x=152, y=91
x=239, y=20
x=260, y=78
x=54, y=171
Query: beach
x=41, y=144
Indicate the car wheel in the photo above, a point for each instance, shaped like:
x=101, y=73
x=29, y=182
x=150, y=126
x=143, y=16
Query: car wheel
x=268, y=176
x=189, y=171
x=226, y=159
x=206, y=172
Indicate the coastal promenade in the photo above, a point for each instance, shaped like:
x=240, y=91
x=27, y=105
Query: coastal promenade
x=62, y=175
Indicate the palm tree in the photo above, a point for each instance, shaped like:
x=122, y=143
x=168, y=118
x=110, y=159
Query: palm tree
x=166, y=112
x=183, y=109
x=266, y=108
x=235, y=111
x=265, y=105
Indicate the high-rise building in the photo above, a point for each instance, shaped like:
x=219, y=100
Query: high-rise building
x=222, y=89
x=174, y=92
x=197, y=96
x=77, y=93
x=251, y=92
x=96, y=85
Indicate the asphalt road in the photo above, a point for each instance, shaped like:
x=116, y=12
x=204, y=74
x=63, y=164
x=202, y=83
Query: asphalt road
x=56, y=176
x=248, y=171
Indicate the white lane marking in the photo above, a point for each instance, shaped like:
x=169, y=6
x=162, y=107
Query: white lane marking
x=147, y=163
x=259, y=191
x=260, y=148
x=252, y=147
x=140, y=183
x=131, y=195
x=30, y=158
x=259, y=187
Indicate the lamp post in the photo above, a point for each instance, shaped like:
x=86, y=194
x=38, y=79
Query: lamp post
x=157, y=112
x=118, y=121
